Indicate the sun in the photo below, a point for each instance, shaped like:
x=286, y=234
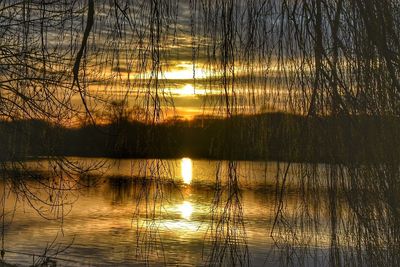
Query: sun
x=184, y=71
x=188, y=89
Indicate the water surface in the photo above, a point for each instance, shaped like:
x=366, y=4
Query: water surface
x=174, y=212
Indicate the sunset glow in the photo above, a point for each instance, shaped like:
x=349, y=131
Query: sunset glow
x=184, y=71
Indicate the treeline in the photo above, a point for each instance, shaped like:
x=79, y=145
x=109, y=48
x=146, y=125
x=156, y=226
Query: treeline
x=273, y=136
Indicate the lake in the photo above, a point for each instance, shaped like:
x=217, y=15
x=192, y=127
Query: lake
x=181, y=212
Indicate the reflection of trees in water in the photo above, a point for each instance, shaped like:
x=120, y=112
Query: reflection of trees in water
x=345, y=215
x=50, y=189
x=153, y=188
x=227, y=232
x=326, y=214
x=373, y=198
x=225, y=241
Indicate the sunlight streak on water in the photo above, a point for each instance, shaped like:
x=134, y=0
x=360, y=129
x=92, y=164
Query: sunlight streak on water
x=186, y=210
x=186, y=170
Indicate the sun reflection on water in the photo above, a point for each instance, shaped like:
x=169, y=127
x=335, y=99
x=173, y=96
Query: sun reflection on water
x=186, y=170
x=186, y=210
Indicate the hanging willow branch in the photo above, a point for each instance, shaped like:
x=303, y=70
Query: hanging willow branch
x=89, y=25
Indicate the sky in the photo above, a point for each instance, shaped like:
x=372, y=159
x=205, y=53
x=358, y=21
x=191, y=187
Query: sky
x=189, y=68
x=180, y=58
x=166, y=59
